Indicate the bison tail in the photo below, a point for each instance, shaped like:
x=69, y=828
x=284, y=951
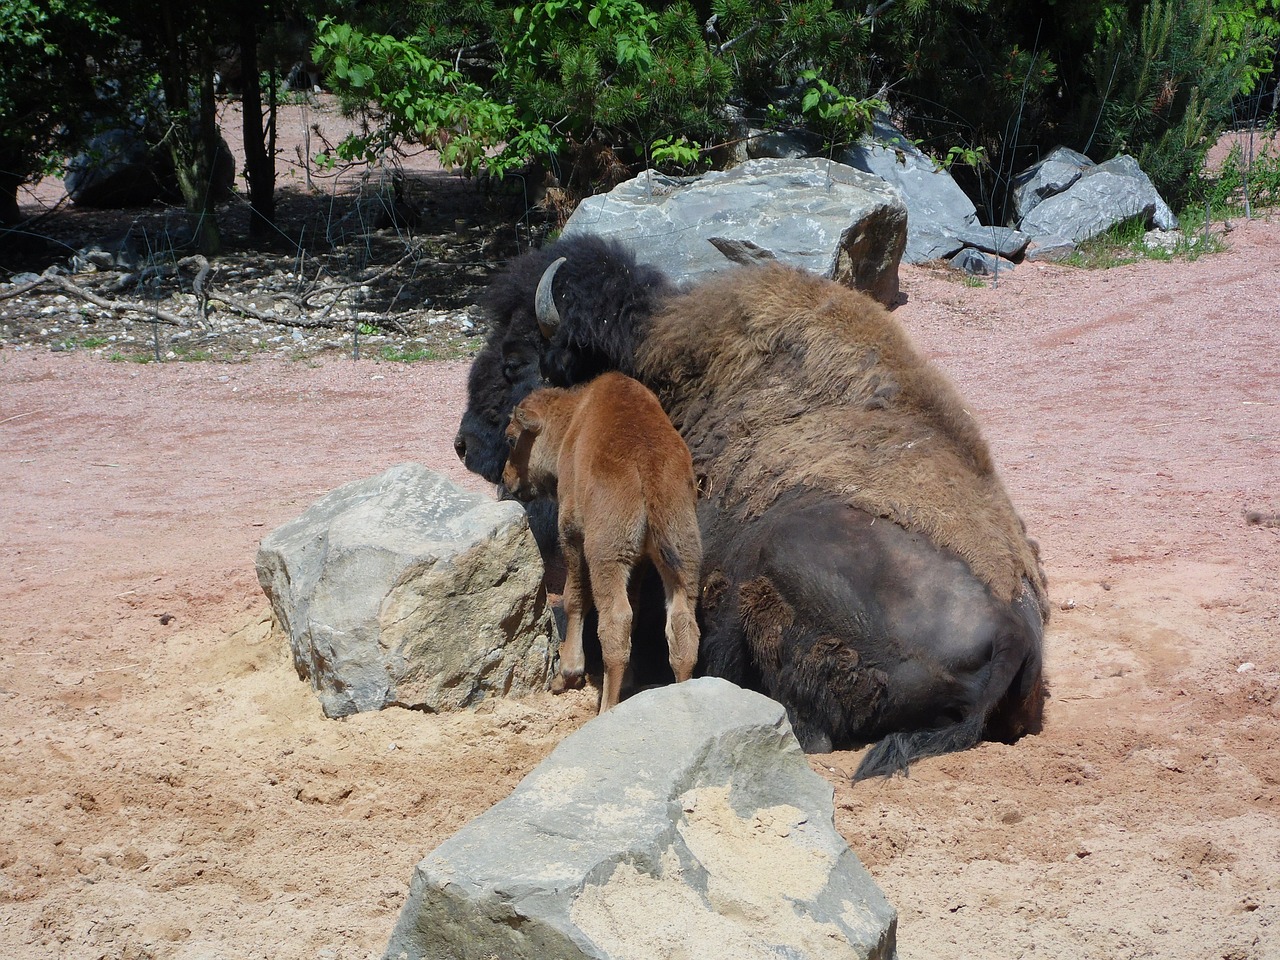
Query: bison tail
x=1014, y=678
x=896, y=752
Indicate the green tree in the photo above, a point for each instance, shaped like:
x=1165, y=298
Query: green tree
x=592, y=86
x=48, y=77
x=1172, y=75
x=1102, y=76
x=178, y=48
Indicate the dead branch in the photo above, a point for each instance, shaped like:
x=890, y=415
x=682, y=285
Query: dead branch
x=116, y=306
x=205, y=293
x=21, y=288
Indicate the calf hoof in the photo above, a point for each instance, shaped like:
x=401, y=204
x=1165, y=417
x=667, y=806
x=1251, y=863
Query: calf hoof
x=562, y=682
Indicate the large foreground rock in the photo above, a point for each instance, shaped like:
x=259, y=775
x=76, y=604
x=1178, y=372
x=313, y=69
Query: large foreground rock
x=683, y=823
x=404, y=589
x=815, y=214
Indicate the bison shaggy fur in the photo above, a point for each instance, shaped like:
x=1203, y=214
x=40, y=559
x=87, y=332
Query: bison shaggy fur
x=863, y=563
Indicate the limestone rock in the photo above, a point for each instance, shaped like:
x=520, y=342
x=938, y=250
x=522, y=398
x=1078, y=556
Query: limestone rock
x=938, y=212
x=1054, y=174
x=403, y=589
x=683, y=823
x=815, y=214
x=1098, y=198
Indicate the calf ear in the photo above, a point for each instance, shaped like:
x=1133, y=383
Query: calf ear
x=527, y=418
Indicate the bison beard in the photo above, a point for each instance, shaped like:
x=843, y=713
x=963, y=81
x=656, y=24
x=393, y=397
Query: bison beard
x=863, y=564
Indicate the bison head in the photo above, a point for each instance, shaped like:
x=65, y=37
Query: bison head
x=593, y=304
x=603, y=300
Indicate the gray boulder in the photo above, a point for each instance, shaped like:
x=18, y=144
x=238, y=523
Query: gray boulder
x=939, y=214
x=979, y=264
x=403, y=589
x=119, y=168
x=1051, y=249
x=818, y=215
x=685, y=822
x=115, y=170
x=1102, y=196
x=782, y=144
x=1003, y=241
x=1056, y=172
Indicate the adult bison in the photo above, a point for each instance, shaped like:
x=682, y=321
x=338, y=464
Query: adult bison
x=862, y=561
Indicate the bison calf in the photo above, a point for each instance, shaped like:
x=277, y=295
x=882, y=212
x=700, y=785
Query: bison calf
x=624, y=480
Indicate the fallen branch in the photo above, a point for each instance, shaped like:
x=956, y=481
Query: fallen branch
x=21, y=288
x=205, y=293
x=116, y=306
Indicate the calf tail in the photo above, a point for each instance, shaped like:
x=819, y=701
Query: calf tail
x=1015, y=657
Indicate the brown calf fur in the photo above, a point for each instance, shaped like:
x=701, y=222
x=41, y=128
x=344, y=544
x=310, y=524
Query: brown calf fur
x=624, y=480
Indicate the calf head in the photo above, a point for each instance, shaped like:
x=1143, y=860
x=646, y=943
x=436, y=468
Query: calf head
x=530, y=470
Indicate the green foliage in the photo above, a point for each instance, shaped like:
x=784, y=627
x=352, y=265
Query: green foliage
x=1251, y=28
x=675, y=152
x=613, y=77
x=975, y=157
x=1257, y=176
x=1174, y=78
x=418, y=98
x=393, y=354
x=1125, y=243
x=771, y=45
x=1102, y=76
x=46, y=85
x=592, y=87
x=838, y=117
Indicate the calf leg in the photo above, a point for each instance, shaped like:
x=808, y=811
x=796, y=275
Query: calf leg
x=678, y=559
x=682, y=635
x=609, y=588
x=577, y=595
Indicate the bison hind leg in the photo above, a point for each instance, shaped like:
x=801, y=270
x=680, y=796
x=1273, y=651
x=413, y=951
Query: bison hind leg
x=896, y=752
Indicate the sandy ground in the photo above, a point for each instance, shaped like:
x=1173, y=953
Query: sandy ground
x=170, y=789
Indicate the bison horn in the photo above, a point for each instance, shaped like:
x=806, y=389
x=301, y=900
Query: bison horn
x=544, y=302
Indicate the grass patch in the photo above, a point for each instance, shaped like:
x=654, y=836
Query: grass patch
x=1119, y=246
x=1126, y=243
x=84, y=343
x=394, y=354
x=1255, y=175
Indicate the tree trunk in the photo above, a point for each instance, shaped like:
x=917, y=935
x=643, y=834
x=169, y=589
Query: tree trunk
x=259, y=157
x=209, y=142
x=193, y=138
x=9, y=184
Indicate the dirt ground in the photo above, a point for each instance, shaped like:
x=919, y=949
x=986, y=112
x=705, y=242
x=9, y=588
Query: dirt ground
x=170, y=789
